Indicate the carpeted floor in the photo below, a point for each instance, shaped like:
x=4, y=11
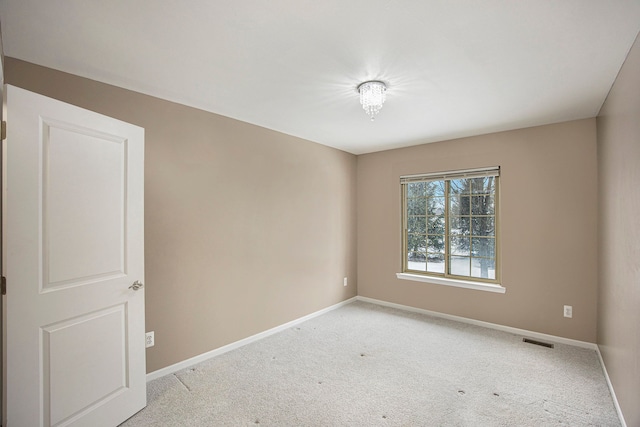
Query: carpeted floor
x=367, y=365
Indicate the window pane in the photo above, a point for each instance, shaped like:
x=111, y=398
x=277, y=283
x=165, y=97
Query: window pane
x=460, y=186
x=483, y=226
x=417, y=206
x=435, y=244
x=435, y=188
x=417, y=224
x=459, y=245
x=482, y=205
x=459, y=205
x=416, y=189
x=435, y=225
x=417, y=243
x=417, y=261
x=435, y=205
x=483, y=185
x=435, y=263
x=483, y=268
x=459, y=265
x=459, y=225
x=483, y=247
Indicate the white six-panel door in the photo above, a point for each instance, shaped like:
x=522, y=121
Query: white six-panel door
x=74, y=229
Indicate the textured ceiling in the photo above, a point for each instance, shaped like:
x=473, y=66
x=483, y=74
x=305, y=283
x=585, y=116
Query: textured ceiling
x=453, y=67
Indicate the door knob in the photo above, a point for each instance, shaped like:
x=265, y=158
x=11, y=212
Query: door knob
x=136, y=285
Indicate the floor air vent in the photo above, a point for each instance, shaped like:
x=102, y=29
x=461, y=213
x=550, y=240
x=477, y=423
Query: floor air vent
x=540, y=343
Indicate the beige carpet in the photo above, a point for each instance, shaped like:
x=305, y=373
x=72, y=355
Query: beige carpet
x=366, y=365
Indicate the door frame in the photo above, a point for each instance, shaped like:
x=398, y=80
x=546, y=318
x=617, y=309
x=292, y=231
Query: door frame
x=3, y=389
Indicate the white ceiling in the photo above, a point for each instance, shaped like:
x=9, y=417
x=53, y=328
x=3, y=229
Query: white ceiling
x=453, y=67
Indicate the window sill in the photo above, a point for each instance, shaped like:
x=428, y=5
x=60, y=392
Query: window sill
x=488, y=287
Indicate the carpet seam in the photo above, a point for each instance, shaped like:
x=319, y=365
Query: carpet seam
x=182, y=382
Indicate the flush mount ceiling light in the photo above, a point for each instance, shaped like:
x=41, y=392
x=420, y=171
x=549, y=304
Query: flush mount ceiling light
x=372, y=96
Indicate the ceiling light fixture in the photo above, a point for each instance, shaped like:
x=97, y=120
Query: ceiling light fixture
x=372, y=96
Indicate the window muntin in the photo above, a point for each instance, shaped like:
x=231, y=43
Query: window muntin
x=450, y=224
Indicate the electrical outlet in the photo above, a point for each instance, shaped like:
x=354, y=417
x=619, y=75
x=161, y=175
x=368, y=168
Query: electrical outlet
x=568, y=311
x=344, y=282
x=149, y=339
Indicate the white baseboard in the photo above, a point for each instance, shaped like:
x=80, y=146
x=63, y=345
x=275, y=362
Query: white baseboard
x=610, y=385
x=529, y=334
x=221, y=350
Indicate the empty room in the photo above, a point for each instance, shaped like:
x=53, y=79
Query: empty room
x=293, y=213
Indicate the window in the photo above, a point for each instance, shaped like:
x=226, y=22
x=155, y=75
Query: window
x=450, y=223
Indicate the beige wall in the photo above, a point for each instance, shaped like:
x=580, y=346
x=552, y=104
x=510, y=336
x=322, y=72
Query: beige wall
x=245, y=228
x=619, y=234
x=548, y=227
